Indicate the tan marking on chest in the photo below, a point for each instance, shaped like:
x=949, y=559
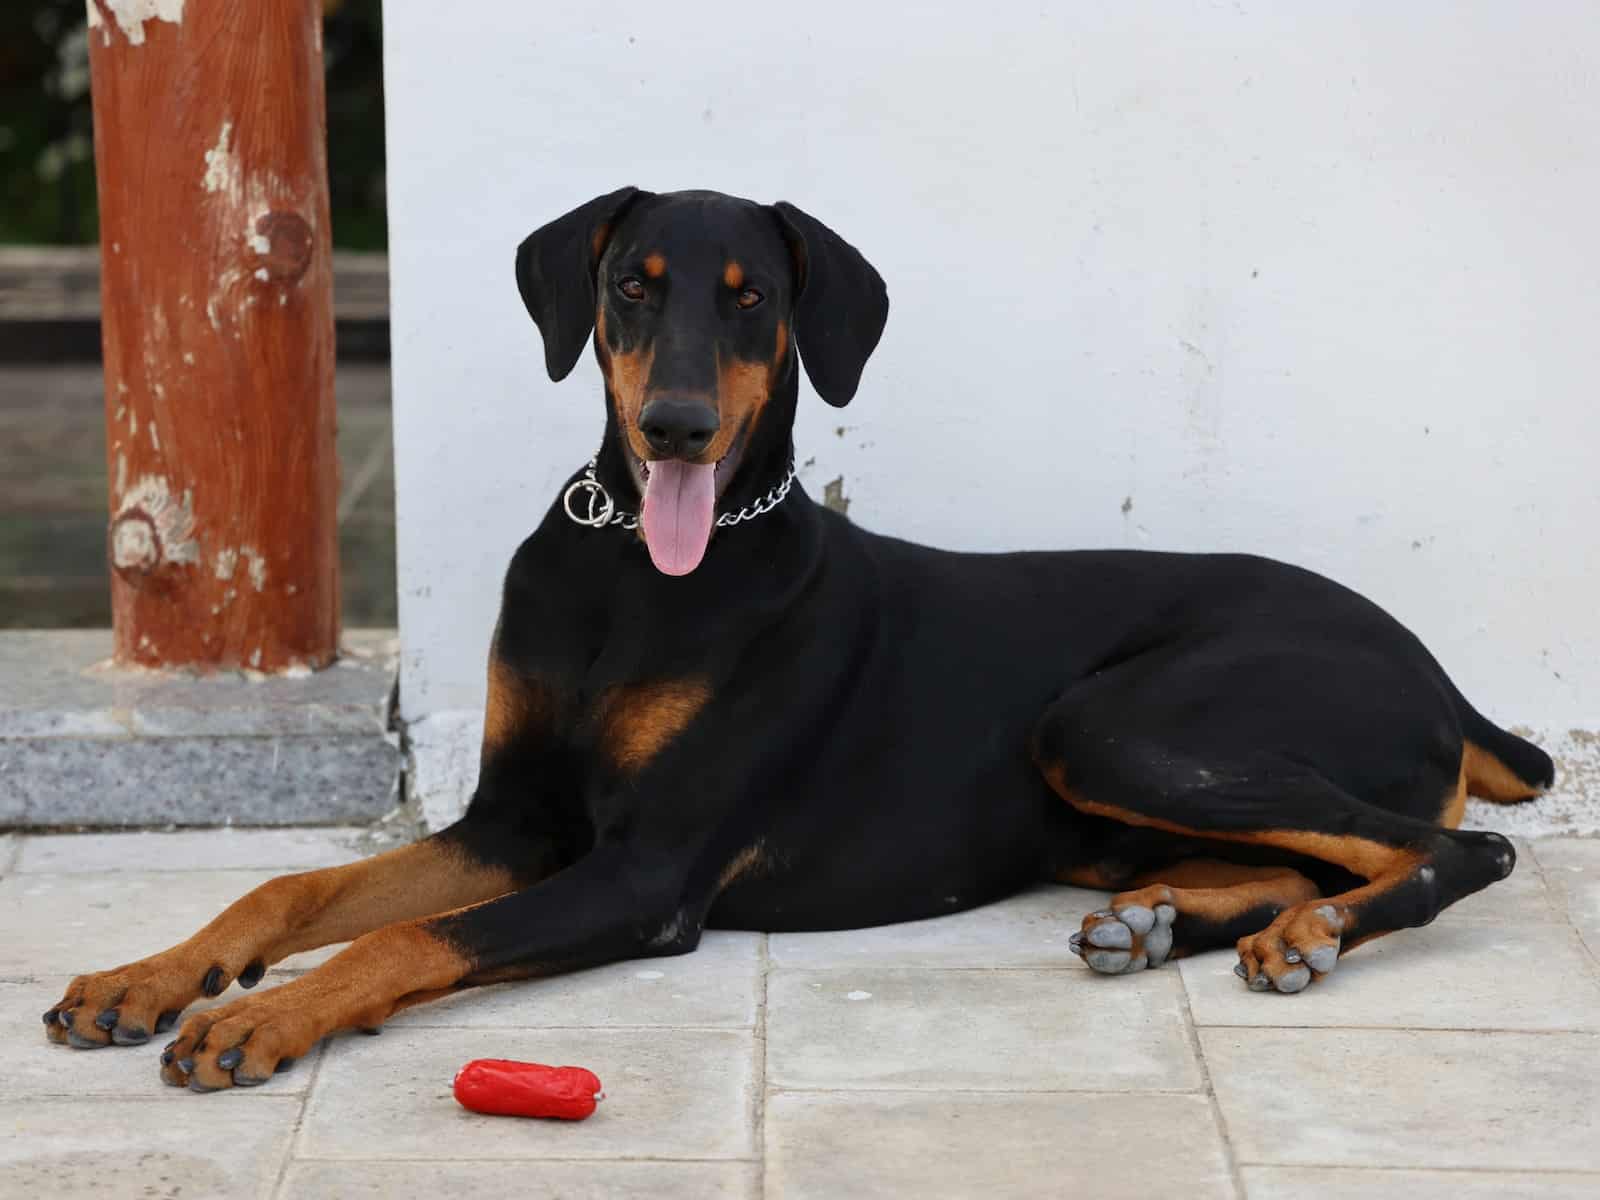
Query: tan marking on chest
x=515, y=702
x=637, y=721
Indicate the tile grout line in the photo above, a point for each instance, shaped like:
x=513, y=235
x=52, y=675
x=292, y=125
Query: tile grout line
x=941, y=1089
x=1192, y=1035
x=300, y=1120
x=1424, y=1029
x=759, y=1051
x=534, y=1160
x=1518, y=1172
x=1559, y=900
x=593, y=1028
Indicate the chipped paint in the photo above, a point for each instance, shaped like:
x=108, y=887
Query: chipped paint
x=256, y=565
x=259, y=242
x=222, y=164
x=152, y=526
x=188, y=357
x=227, y=562
x=122, y=473
x=255, y=658
x=131, y=15
x=262, y=275
x=155, y=438
x=833, y=497
x=133, y=424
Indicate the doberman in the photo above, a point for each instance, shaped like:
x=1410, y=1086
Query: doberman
x=738, y=709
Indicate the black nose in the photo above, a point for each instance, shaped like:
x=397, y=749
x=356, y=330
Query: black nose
x=678, y=427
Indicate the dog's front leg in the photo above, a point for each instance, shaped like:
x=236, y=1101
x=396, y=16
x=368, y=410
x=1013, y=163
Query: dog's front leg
x=615, y=903
x=279, y=918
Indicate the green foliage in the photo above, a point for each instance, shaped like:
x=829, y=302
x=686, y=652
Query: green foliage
x=47, y=193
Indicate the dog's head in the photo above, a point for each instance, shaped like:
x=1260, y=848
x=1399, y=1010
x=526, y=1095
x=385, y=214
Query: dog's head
x=698, y=303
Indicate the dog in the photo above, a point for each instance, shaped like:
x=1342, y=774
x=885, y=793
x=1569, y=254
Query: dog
x=713, y=702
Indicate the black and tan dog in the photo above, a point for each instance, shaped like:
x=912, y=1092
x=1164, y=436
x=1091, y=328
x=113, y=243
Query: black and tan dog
x=740, y=710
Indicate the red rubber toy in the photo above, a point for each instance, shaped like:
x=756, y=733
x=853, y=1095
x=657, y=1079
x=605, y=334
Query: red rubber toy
x=504, y=1087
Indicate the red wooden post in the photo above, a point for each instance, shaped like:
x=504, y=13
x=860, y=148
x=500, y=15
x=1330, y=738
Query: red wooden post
x=217, y=309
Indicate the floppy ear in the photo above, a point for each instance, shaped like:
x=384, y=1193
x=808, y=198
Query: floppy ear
x=555, y=274
x=840, y=308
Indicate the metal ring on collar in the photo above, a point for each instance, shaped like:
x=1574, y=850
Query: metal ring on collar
x=598, y=505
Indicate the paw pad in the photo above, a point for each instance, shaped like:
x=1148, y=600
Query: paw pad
x=1127, y=939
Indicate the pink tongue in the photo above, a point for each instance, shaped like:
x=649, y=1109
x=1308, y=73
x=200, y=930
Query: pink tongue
x=678, y=499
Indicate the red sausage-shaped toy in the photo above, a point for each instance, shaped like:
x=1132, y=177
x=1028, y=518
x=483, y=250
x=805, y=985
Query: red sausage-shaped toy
x=507, y=1088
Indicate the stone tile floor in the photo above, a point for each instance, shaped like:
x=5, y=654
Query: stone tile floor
x=967, y=1056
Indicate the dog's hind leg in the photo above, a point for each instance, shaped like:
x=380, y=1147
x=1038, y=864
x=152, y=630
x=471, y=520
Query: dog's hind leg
x=1412, y=869
x=1194, y=905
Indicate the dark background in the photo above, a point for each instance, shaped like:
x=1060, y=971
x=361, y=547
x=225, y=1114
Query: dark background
x=47, y=136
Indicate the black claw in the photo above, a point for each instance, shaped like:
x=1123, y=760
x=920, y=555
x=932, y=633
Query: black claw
x=50, y=1016
x=252, y=974
x=186, y=1065
x=283, y=1065
x=166, y=1021
x=372, y=1030
x=196, y=1086
x=166, y=1057
x=249, y=1080
x=229, y=1059
x=64, y=1017
x=78, y=1042
x=132, y=1035
x=214, y=983
x=107, y=1019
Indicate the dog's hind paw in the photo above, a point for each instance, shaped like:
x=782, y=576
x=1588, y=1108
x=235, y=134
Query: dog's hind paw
x=1301, y=946
x=1125, y=938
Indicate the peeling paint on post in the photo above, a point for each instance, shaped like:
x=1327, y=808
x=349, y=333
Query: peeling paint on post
x=218, y=332
x=130, y=16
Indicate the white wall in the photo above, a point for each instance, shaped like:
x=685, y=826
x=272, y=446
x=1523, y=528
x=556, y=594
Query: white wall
x=1317, y=281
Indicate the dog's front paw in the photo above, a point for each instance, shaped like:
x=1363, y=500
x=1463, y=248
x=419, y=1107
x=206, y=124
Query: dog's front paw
x=241, y=1044
x=123, y=1007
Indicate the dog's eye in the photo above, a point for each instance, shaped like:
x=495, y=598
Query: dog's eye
x=749, y=298
x=630, y=288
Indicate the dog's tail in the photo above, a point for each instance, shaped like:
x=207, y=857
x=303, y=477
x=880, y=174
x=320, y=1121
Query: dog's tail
x=1499, y=765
